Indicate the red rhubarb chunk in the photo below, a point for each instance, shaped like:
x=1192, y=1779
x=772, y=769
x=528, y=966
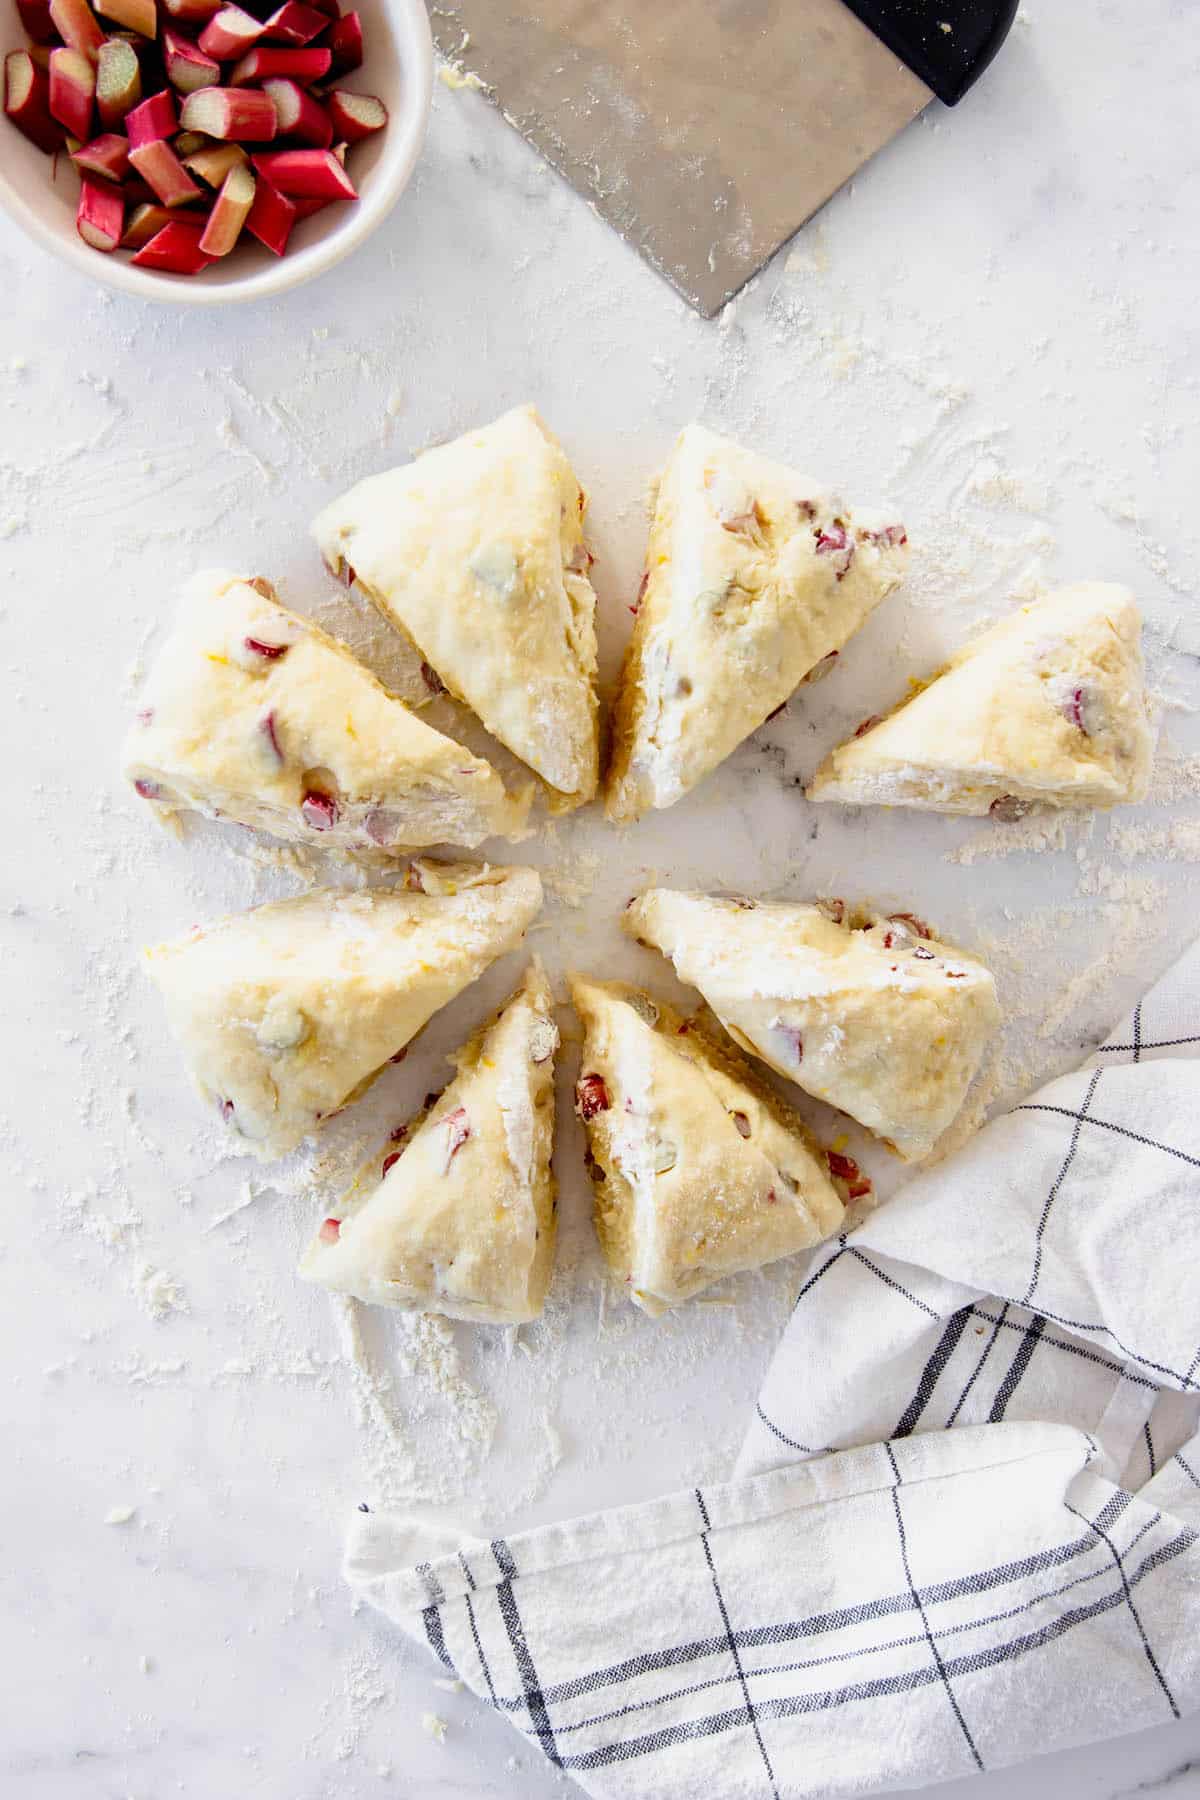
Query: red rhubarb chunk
x=158, y=164
x=318, y=810
x=356, y=116
x=188, y=67
x=330, y=1231
x=270, y=651
x=271, y=217
x=230, y=32
x=458, y=1130
x=27, y=101
x=389, y=1161
x=72, y=91
x=591, y=1096
x=106, y=156
x=240, y=115
x=346, y=43
x=297, y=114
x=175, y=249
x=155, y=118
x=294, y=24
x=265, y=62
x=100, y=217
x=305, y=173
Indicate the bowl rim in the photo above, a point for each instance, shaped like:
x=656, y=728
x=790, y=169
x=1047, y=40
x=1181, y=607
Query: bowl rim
x=405, y=137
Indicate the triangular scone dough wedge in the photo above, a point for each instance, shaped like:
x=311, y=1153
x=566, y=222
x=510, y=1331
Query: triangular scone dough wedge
x=253, y=714
x=456, y=1214
x=875, y=1016
x=699, y=1170
x=288, y=1012
x=1049, y=705
x=755, y=578
x=476, y=551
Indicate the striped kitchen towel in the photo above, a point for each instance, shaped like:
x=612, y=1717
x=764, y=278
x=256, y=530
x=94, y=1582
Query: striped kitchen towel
x=965, y=1524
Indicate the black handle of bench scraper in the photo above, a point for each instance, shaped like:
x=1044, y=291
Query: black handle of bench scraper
x=948, y=61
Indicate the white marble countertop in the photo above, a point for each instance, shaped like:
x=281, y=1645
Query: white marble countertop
x=996, y=328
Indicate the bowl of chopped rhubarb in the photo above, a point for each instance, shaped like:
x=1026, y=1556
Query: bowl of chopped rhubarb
x=207, y=151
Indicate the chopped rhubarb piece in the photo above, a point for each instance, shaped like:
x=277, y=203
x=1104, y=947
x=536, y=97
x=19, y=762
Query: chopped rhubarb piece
x=356, y=116
x=458, y=1130
x=297, y=114
x=175, y=249
x=188, y=67
x=149, y=790
x=392, y=1157
x=118, y=82
x=241, y=114
x=837, y=544
x=844, y=1168
x=306, y=207
x=271, y=217
x=1073, y=710
x=267, y=725
x=27, y=101
x=269, y=651
x=158, y=164
x=319, y=810
x=741, y=1120
x=306, y=172
x=591, y=1096
x=106, y=156
x=330, y=1231
x=72, y=91
x=220, y=235
x=155, y=118
x=36, y=20
x=100, y=216
x=429, y=676
x=230, y=33
x=190, y=12
x=346, y=43
x=77, y=26
x=868, y=724
x=145, y=222
x=264, y=64
x=136, y=15
x=294, y=23
x=212, y=164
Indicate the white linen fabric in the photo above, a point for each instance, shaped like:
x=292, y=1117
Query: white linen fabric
x=965, y=1524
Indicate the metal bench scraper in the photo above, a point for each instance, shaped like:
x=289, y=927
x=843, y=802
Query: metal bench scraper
x=707, y=131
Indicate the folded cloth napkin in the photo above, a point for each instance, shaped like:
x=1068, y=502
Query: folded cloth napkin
x=965, y=1524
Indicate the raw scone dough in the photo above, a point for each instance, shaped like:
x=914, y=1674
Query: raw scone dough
x=253, y=714
x=476, y=551
x=755, y=578
x=873, y=1015
x=456, y=1214
x=288, y=1012
x=1048, y=705
x=699, y=1169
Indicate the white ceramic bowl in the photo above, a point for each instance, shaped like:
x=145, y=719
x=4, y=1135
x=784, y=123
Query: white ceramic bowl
x=398, y=67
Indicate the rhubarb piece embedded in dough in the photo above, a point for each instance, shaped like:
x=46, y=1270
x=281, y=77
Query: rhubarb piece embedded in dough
x=285, y=1014
x=1048, y=706
x=456, y=1213
x=254, y=714
x=476, y=551
x=698, y=1168
x=874, y=1015
x=755, y=579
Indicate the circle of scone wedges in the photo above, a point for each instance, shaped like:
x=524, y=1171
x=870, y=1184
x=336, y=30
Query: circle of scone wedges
x=755, y=579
